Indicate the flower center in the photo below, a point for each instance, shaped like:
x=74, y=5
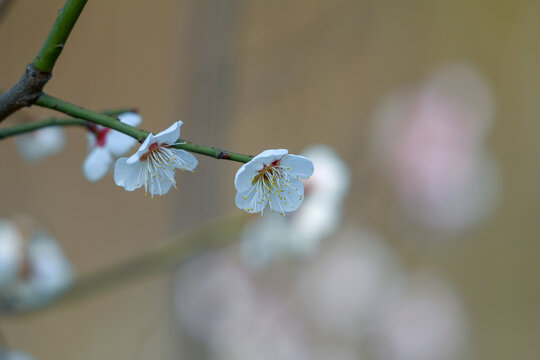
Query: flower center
x=153, y=147
x=102, y=136
x=267, y=173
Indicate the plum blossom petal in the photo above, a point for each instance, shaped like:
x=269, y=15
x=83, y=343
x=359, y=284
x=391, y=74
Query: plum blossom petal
x=130, y=118
x=154, y=163
x=97, y=164
x=249, y=202
x=299, y=165
x=105, y=144
x=170, y=135
x=265, y=180
x=119, y=143
x=126, y=173
x=143, y=149
x=243, y=182
x=41, y=143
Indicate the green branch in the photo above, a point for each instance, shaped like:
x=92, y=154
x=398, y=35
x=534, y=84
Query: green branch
x=37, y=74
x=54, y=44
x=94, y=117
x=51, y=102
x=33, y=126
x=211, y=236
x=36, y=125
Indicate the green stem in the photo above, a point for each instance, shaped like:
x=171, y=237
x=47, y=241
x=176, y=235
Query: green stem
x=56, y=104
x=51, y=102
x=211, y=236
x=28, y=127
x=33, y=126
x=51, y=49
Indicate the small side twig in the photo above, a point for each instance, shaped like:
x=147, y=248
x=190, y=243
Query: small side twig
x=4, y=7
x=211, y=236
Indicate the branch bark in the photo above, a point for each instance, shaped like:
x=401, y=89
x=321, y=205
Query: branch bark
x=25, y=92
x=30, y=86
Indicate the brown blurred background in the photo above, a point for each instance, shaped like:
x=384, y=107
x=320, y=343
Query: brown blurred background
x=252, y=75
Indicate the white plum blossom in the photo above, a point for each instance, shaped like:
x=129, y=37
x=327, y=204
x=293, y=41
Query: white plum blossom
x=272, y=237
x=41, y=143
x=46, y=273
x=11, y=253
x=272, y=178
x=154, y=164
x=105, y=144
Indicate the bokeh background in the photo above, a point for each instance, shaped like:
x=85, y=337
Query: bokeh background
x=252, y=75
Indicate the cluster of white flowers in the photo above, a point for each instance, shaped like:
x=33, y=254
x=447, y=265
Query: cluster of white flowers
x=273, y=178
x=33, y=267
x=355, y=299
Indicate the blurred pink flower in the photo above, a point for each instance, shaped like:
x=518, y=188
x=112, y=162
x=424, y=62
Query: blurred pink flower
x=343, y=288
x=219, y=306
x=424, y=321
x=430, y=142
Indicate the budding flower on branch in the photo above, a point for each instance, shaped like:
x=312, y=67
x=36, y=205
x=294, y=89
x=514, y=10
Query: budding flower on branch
x=272, y=178
x=154, y=164
x=41, y=143
x=105, y=144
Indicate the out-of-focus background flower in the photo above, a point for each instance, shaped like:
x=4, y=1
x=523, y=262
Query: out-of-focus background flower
x=418, y=238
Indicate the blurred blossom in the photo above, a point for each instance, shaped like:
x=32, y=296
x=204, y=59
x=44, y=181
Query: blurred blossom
x=11, y=253
x=300, y=232
x=105, y=144
x=424, y=321
x=43, y=272
x=335, y=352
x=218, y=305
x=212, y=297
x=430, y=142
x=6, y=354
x=342, y=289
x=41, y=143
x=273, y=332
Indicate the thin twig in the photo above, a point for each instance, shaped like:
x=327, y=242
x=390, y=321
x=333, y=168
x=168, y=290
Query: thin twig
x=213, y=235
x=30, y=85
x=53, y=121
x=4, y=7
x=51, y=102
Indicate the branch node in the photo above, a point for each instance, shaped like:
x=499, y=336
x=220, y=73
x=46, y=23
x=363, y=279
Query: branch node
x=24, y=92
